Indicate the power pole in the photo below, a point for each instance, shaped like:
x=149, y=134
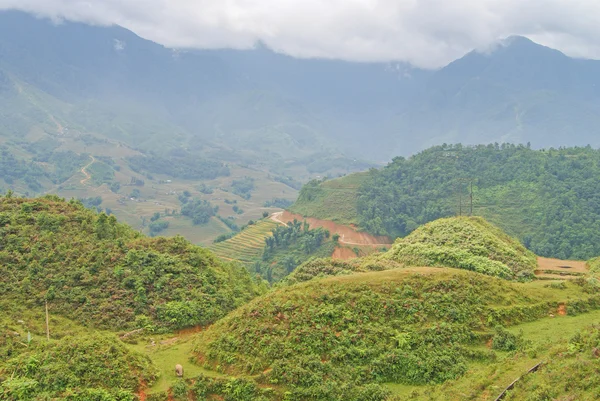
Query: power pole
x=471, y=198
x=47, y=323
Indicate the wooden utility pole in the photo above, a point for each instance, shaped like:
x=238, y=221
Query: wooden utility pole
x=47, y=323
x=471, y=198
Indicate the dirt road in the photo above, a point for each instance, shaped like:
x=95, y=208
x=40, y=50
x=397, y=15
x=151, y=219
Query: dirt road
x=348, y=235
x=84, y=172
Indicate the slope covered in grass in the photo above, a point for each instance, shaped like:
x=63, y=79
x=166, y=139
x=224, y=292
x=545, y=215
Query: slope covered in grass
x=332, y=337
x=104, y=274
x=469, y=243
x=333, y=200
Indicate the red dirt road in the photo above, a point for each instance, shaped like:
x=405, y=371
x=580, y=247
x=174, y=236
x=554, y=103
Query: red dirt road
x=348, y=235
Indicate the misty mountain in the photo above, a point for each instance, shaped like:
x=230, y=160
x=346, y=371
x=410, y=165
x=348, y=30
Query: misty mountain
x=268, y=106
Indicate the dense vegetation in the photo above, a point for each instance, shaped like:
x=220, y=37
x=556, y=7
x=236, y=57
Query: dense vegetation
x=288, y=247
x=333, y=337
x=549, y=199
x=468, y=243
x=199, y=210
x=243, y=187
x=82, y=368
x=184, y=166
x=104, y=274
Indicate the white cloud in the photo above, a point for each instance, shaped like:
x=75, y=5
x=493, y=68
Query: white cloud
x=427, y=33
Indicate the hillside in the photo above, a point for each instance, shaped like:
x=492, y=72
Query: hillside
x=333, y=200
x=92, y=269
x=343, y=335
x=545, y=198
x=469, y=243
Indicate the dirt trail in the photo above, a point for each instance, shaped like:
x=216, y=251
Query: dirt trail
x=84, y=172
x=348, y=235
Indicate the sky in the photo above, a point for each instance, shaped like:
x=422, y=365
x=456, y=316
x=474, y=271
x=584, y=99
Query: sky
x=425, y=33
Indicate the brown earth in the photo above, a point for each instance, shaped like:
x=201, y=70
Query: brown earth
x=572, y=266
x=348, y=235
x=560, y=269
x=343, y=253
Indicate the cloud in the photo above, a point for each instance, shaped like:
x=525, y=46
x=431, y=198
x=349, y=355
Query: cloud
x=426, y=33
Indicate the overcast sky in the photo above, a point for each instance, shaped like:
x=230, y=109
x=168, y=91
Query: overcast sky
x=426, y=33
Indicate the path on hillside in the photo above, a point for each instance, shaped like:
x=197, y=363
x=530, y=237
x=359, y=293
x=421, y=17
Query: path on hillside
x=84, y=172
x=355, y=237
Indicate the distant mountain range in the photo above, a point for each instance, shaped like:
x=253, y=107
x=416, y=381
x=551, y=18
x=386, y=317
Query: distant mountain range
x=266, y=106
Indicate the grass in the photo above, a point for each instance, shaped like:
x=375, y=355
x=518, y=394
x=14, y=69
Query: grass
x=246, y=246
x=333, y=200
x=469, y=243
x=413, y=326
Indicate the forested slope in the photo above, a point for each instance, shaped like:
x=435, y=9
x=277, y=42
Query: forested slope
x=548, y=199
x=104, y=274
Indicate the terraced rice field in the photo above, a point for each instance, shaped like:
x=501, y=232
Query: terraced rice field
x=247, y=246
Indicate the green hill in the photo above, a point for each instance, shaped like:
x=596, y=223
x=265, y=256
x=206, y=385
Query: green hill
x=348, y=335
x=469, y=243
x=545, y=198
x=104, y=274
x=334, y=200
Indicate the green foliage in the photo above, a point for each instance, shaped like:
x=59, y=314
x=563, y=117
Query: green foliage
x=186, y=166
x=90, y=367
x=243, y=187
x=569, y=373
x=325, y=267
x=504, y=340
x=278, y=202
x=13, y=169
x=468, y=243
x=224, y=237
x=101, y=173
x=289, y=246
x=101, y=273
x=412, y=326
x=545, y=198
x=199, y=210
x=157, y=226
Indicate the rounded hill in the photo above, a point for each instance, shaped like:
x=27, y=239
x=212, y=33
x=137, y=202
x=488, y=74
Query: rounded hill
x=410, y=325
x=469, y=243
x=92, y=269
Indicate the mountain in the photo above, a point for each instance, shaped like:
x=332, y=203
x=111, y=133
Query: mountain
x=518, y=92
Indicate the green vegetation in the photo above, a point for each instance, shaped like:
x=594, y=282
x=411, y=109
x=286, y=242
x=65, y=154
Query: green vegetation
x=243, y=187
x=101, y=173
x=104, y=274
x=468, y=243
x=288, y=247
x=334, y=200
x=324, y=267
x=278, y=202
x=570, y=371
x=184, y=166
x=544, y=198
x=89, y=367
x=329, y=338
x=199, y=210
x=157, y=227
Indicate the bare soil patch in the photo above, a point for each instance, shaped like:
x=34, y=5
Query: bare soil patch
x=571, y=266
x=348, y=235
